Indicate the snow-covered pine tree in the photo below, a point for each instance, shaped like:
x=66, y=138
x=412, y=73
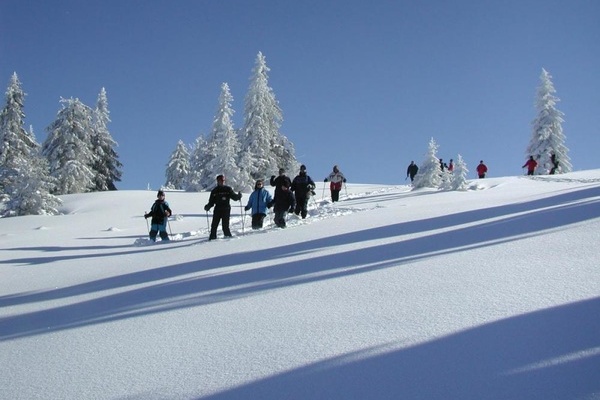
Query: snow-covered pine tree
x=178, y=168
x=547, y=135
x=68, y=148
x=107, y=166
x=24, y=180
x=224, y=146
x=265, y=149
x=197, y=165
x=459, y=175
x=429, y=171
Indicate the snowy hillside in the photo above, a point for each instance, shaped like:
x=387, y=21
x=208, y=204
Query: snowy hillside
x=491, y=293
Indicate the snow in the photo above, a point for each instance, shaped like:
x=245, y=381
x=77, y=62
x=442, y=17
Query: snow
x=489, y=293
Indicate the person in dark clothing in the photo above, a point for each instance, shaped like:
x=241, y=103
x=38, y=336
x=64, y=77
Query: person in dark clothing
x=160, y=213
x=280, y=180
x=443, y=165
x=303, y=187
x=283, y=202
x=259, y=201
x=412, y=171
x=220, y=197
x=554, y=164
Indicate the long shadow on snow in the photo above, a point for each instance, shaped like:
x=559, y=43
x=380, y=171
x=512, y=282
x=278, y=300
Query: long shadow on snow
x=210, y=286
x=547, y=354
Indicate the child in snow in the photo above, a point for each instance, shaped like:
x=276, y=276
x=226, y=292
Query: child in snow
x=336, y=178
x=283, y=201
x=259, y=201
x=160, y=213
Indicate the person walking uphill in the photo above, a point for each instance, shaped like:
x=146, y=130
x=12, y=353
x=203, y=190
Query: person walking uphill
x=279, y=181
x=481, y=170
x=412, y=171
x=220, y=197
x=530, y=164
x=303, y=187
x=259, y=201
x=283, y=201
x=160, y=212
x=336, y=178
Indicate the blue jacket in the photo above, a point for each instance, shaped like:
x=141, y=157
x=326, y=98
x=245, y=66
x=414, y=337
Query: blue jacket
x=259, y=201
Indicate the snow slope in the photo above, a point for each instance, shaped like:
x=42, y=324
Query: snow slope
x=492, y=293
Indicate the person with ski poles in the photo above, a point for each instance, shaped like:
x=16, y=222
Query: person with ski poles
x=260, y=199
x=336, y=178
x=283, y=202
x=530, y=164
x=303, y=187
x=280, y=180
x=412, y=171
x=160, y=213
x=220, y=197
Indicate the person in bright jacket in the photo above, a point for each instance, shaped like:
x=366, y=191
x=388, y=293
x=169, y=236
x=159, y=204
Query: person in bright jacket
x=220, y=197
x=336, y=178
x=283, y=202
x=160, y=213
x=259, y=201
x=530, y=164
x=481, y=170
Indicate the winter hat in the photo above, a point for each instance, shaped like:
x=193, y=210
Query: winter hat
x=220, y=178
x=281, y=171
x=303, y=167
x=160, y=193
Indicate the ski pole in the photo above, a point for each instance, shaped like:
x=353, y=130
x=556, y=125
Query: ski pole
x=241, y=212
x=207, y=222
x=147, y=225
x=346, y=189
x=169, y=225
x=323, y=193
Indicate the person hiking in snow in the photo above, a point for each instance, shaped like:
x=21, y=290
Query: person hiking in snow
x=442, y=165
x=260, y=199
x=303, y=187
x=336, y=178
x=451, y=165
x=160, y=213
x=554, y=162
x=481, y=170
x=283, y=202
x=280, y=180
x=219, y=197
x=412, y=171
x=530, y=164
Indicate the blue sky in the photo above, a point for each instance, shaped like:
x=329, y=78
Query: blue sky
x=364, y=85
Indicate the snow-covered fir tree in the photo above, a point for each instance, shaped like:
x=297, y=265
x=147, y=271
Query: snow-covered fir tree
x=25, y=184
x=178, y=168
x=265, y=149
x=459, y=175
x=429, y=174
x=224, y=147
x=107, y=167
x=547, y=137
x=68, y=148
x=197, y=165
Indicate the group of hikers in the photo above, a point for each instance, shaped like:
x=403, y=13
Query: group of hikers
x=482, y=169
x=291, y=196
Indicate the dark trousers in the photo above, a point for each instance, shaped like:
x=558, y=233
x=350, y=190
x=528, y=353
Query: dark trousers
x=222, y=216
x=279, y=218
x=159, y=228
x=301, y=206
x=257, y=221
x=335, y=195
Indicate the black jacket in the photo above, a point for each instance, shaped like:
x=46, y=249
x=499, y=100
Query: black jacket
x=284, y=201
x=220, y=196
x=157, y=211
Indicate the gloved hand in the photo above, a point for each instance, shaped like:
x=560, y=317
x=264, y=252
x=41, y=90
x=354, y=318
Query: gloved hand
x=271, y=204
x=325, y=180
x=240, y=195
x=206, y=207
x=291, y=210
x=344, y=180
x=167, y=213
x=146, y=216
x=247, y=208
x=272, y=177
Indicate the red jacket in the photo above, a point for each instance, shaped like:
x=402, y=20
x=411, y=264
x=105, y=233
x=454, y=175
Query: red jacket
x=530, y=164
x=481, y=169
